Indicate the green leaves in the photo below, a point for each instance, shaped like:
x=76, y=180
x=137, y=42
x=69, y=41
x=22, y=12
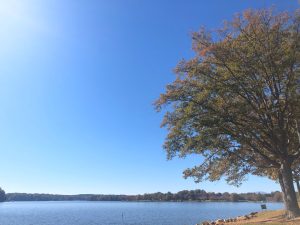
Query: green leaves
x=237, y=103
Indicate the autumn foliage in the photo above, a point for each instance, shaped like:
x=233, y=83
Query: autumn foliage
x=237, y=102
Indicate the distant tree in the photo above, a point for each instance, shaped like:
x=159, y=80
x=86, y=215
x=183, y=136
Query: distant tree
x=277, y=197
x=260, y=197
x=235, y=197
x=2, y=195
x=237, y=102
x=226, y=196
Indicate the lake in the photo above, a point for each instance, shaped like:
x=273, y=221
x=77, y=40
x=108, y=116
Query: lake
x=121, y=213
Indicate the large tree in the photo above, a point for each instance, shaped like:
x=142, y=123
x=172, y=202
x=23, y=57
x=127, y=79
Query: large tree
x=237, y=102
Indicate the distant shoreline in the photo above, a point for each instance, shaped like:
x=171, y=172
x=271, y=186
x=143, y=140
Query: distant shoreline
x=181, y=196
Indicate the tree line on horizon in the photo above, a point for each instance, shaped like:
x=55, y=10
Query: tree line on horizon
x=185, y=195
x=2, y=195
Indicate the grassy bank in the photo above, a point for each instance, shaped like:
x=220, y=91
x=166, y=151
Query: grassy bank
x=269, y=218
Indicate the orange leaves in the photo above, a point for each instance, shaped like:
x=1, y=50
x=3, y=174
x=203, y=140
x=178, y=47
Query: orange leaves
x=247, y=14
x=204, y=51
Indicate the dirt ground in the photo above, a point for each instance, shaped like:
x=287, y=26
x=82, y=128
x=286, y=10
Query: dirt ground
x=269, y=218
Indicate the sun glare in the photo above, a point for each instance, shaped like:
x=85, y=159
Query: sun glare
x=17, y=15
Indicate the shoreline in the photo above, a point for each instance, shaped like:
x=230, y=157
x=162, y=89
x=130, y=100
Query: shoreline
x=270, y=217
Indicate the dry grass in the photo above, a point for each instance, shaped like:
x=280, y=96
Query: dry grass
x=269, y=218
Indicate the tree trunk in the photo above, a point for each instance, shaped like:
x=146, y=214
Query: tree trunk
x=290, y=198
x=298, y=186
x=282, y=188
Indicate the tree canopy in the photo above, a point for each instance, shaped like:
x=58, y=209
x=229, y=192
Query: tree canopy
x=237, y=102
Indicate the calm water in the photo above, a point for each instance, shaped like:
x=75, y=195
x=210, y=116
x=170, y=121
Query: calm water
x=110, y=213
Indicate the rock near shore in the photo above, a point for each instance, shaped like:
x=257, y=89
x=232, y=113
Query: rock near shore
x=223, y=221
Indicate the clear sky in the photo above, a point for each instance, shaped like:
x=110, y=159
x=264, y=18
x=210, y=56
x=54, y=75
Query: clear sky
x=77, y=83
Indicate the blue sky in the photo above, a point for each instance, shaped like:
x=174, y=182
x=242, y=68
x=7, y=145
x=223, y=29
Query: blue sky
x=77, y=83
